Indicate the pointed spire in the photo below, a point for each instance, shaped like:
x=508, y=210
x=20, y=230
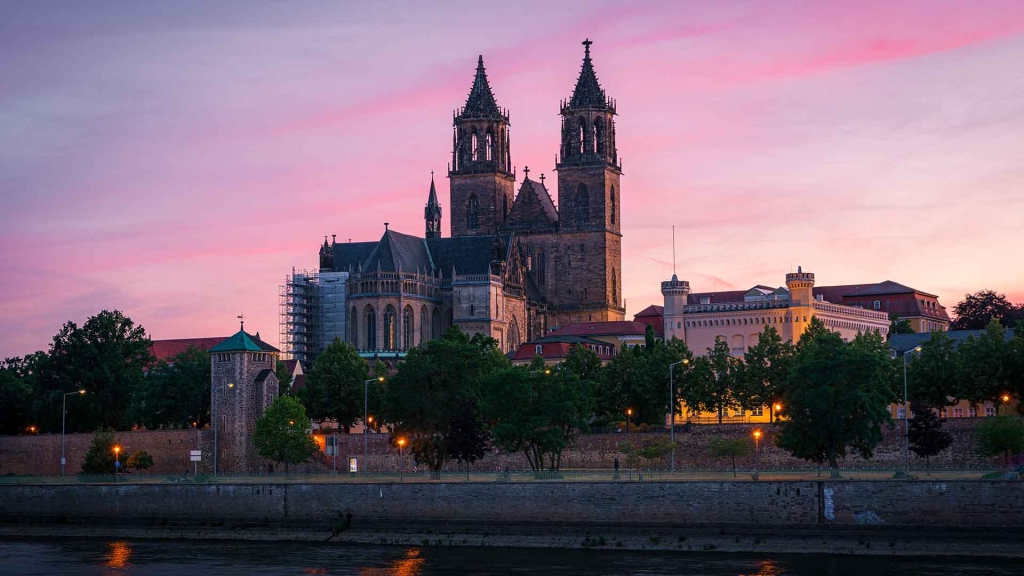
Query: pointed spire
x=432, y=212
x=481, y=103
x=588, y=92
x=432, y=197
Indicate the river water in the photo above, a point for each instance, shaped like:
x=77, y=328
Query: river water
x=197, y=558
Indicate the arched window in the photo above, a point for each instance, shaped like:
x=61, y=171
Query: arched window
x=599, y=136
x=583, y=139
x=474, y=149
x=424, y=326
x=370, y=323
x=473, y=216
x=582, y=206
x=613, y=204
x=435, y=322
x=407, y=328
x=615, y=288
x=542, y=265
x=353, y=327
x=490, y=147
x=448, y=320
x=513, y=335
x=390, y=328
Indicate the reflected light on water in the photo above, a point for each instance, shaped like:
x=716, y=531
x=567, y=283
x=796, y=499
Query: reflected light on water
x=410, y=565
x=767, y=568
x=119, y=554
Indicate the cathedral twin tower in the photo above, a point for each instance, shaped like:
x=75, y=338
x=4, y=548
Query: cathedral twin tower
x=574, y=250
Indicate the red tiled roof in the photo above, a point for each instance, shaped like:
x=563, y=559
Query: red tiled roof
x=652, y=310
x=551, y=351
x=616, y=328
x=653, y=315
x=164, y=350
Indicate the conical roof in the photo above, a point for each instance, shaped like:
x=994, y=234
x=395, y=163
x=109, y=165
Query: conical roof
x=588, y=92
x=432, y=198
x=481, y=103
x=242, y=341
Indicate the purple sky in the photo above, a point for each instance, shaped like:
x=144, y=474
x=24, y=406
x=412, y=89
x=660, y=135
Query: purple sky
x=176, y=160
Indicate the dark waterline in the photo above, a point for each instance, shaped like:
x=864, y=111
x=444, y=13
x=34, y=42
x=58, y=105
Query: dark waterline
x=196, y=558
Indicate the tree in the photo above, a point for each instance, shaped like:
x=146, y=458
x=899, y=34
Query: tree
x=284, y=377
x=108, y=357
x=100, y=457
x=537, y=413
x=932, y=375
x=713, y=382
x=282, y=433
x=334, y=385
x=1000, y=435
x=925, y=435
x=983, y=373
x=1014, y=363
x=977, y=310
x=765, y=369
x=837, y=396
x=899, y=326
x=729, y=448
x=175, y=394
x=637, y=378
x=435, y=392
x=15, y=398
x=140, y=461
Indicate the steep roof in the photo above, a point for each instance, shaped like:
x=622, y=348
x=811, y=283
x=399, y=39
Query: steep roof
x=396, y=251
x=480, y=103
x=653, y=315
x=614, y=328
x=351, y=255
x=164, y=350
x=242, y=341
x=652, y=310
x=836, y=293
x=533, y=207
x=588, y=92
x=468, y=254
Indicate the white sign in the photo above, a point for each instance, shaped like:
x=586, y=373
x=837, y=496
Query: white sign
x=353, y=465
x=195, y=456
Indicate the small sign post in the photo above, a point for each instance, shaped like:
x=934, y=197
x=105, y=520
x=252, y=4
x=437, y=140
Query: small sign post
x=196, y=456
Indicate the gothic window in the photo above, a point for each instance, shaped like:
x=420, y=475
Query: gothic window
x=407, y=328
x=474, y=148
x=353, y=327
x=390, y=328
x=613, y=204
x=490, y=147
x=513, y=335
x=424, y=326
x=435, y=323
x=371, y=328
x=615, y=289
x=504, y=208
x=582, y=206
x=582, y=136
x=448, y=320
x=599, y=145
x=474, y=213
x=541, y=267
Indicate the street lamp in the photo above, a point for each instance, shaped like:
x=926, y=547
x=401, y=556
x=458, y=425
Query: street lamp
x=216, y=445
x=366, y=414
x=672, y=407
x=776, y=408
x=906, y=413
x=63, y=419
x=629, y=414
x=117, y=461
x=757, y=448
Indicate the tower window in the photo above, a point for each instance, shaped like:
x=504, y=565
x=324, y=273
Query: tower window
x=582, y=138
x=613, y=204
x=407, y=328
x=582, y=206
x=371, y=328
x=473, y=216
x=390, y=329
x=541, y=267
x=615, y=289
x=490, y=147
x=474, y=147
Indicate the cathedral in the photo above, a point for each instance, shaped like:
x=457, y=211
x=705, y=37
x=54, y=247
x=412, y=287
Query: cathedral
x=516, y=264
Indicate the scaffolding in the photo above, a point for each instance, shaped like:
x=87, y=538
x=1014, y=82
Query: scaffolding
x=312, y=311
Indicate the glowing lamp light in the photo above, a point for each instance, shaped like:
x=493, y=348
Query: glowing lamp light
x=370, y=420
x=117, y=449
x=82, y=391
x=1005, y=397
x=291, y=422
x=32, y=429
x=757, y=434
x=629, y=411
x=381, y=379
x=401, y=442
x=778, y=407
x=547, y=370
x=231, y=385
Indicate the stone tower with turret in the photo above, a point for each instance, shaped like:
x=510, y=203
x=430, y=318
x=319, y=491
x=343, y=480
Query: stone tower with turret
x=801, y=301
x=482, y=183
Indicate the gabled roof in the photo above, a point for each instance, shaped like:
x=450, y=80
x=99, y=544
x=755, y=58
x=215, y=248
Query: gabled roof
x=396, y=251
x=467, y=254
x=653, y=315
x=615, y=328
x=903, y=342
x=164, y=350
x=264, y=374
x=831, y=293
x=652, y=310
x=588, y=92
x=351, y=255
x=480, y=103
x=242, y=341
x=533, y=207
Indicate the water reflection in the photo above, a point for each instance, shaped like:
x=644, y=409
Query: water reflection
x=118, y=555
x=768, y=568
x=410, y=565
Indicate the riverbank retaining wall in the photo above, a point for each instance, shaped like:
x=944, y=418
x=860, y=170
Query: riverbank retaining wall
x=40, y=454
x=815, y=503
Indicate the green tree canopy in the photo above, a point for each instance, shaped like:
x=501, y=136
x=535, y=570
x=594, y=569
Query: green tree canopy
x=284, y=378
x=1002, y=435
x=925, y=435
x=537, y=413
x=334, y=385
x=977, y=310
x=729, y=448
x=899, y=326
x=637, y=378
x=282, y=433
x=434, y=396
x=713, y=380
x=932, y=374
x=837, y=396
x=983, y=369
x=100, y=457
x=108, y=357
x=175, y=394
x=15, y=398
x=140, y=461
x=764, y=372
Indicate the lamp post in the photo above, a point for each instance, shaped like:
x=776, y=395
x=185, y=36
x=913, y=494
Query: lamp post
x=366, y=415
x=776, y=408
x=906, y=413
x=629, y=414
x=216, y=446
x=117, y=461
x=63, y=419
x=672, y=407
x=757, y=449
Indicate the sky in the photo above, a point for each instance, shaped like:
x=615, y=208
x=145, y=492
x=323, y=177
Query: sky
x=176, y=160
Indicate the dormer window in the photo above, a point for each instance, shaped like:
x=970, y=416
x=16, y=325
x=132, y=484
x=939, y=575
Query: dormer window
x=878, y=304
